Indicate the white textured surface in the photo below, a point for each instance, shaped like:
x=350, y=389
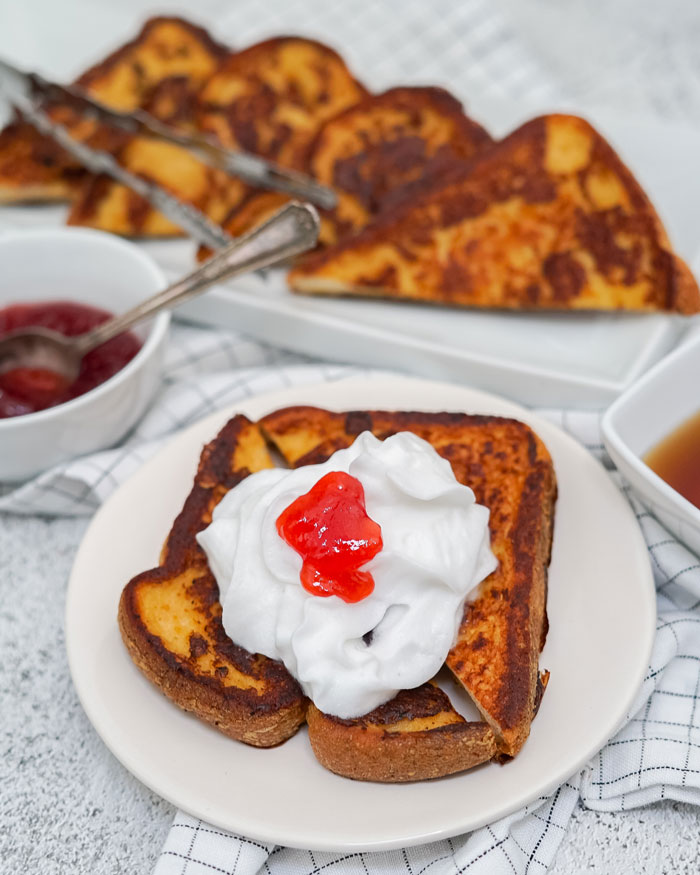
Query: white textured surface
x=66, y=806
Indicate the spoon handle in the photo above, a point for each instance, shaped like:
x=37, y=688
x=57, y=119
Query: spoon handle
x=292, y=230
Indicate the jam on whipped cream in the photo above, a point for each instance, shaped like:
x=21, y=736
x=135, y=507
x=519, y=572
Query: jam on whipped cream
x=329, y=528
x=350, y=657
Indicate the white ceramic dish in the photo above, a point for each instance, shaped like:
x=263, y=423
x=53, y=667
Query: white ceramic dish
x=645, y=414
x=568, y=360
x=103, y=271
x=283, y=795
x=562, y=360
x=551, y=359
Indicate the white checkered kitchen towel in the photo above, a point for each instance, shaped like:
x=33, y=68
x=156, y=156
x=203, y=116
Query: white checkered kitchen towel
x=655, y=756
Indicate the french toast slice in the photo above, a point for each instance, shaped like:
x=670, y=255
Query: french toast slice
x=107, y=205
x=271, y=98
x=549, y=218
x=378, y=146
x=495, y=657
x=165, y=47
x=370, y=152
x=170, y=616
x=176, y=58
x=34, y=168
x=415, y=736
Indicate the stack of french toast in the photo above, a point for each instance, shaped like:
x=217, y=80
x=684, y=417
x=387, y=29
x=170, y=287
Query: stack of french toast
x=429, y=207
x=170, y=616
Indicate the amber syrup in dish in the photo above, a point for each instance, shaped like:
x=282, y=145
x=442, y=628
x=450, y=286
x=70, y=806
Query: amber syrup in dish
x=676, y=459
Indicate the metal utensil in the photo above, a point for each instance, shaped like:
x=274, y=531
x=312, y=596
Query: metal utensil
x=30, y=93
x=292, y=230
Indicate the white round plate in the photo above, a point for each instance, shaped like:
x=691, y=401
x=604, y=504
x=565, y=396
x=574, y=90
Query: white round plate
x=602, y=618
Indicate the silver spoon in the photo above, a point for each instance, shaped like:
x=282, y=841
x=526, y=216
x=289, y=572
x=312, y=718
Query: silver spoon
x=292, y=230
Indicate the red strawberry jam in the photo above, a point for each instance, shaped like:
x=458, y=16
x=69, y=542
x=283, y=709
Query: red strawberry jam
x=329, y=528
x=26, y=390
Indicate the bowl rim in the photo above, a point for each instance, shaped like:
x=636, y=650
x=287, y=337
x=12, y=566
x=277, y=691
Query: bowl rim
x=614, y=441
x=154, y=338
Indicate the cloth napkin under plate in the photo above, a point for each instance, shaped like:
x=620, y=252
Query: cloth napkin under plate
x=656, y=755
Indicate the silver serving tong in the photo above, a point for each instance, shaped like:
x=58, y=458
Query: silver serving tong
x=30, y=93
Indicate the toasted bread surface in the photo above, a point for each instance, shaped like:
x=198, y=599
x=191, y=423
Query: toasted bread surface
x=548, y=218
x=170, y=617
x=381, y=144
x=160, y=71
x=496, y=654
x=105, y=204
x=415, y=736
x=33, y=167
x=271, y=98
x=165, y=47
x=370, y=152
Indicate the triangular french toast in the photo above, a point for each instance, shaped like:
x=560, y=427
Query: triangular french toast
x=177, y=58
x=170, y=617
x=33, y=167
x=271, y=98
x=548, y=218
x=165, y=47
x=371, y=151
x=107, y=205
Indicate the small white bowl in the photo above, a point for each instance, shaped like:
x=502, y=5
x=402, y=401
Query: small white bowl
x=647, y=412
x=97, y=269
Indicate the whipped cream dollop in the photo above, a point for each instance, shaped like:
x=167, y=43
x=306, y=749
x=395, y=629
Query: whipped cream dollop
x=349, y=658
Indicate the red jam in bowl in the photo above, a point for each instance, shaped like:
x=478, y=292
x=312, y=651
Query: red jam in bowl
x=26, y=390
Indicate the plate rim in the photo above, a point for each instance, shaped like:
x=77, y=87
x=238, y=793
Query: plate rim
x=591, y=391
x=277, y=398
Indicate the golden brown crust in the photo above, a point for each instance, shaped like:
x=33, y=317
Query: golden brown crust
x=271, y=98
x=548, y=218
x=496, y=655
x=33, y=167
x=301, y=80
x=166, y=46
x=416, y=736
x=249, y=698
x=170, y=617
x=371, y=151
x=504, y=629
x=104, y=204
x=160, y=71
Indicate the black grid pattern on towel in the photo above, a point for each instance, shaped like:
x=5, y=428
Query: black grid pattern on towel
x=522, y=843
